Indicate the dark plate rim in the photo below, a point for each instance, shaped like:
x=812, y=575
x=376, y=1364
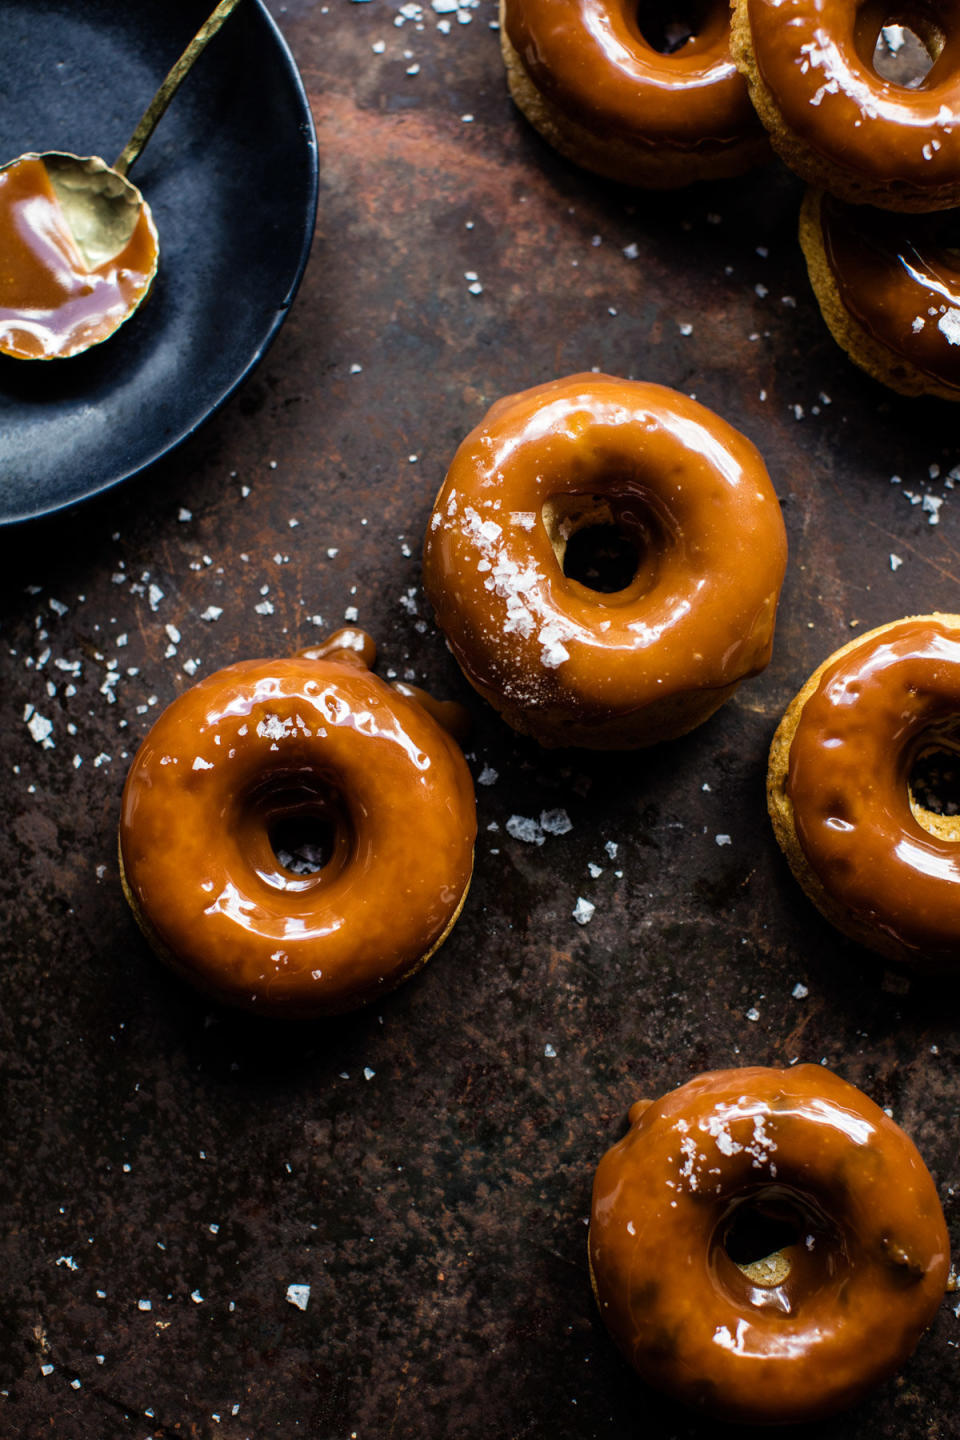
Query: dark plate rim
x=266, y=340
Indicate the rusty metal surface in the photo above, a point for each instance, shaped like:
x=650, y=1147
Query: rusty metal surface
x=169, y=1168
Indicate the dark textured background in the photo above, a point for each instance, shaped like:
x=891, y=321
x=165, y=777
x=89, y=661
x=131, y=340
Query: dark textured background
x=425, y=1166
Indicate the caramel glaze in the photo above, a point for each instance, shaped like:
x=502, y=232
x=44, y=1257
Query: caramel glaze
x=815, y=58
x=900, y=280
x=316, y=737
x=590, y=58
x=866, y=1270
x=51, y=304
x=850, y=760
x=569, y=664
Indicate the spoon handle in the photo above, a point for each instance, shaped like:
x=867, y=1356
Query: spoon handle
x=171, y=85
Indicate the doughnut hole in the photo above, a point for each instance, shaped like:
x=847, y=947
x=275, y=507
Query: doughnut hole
x=773, y=1248
x=933, y=783
x=669, y=25
x=297, y=831
x=901, y=46
x=609, y=548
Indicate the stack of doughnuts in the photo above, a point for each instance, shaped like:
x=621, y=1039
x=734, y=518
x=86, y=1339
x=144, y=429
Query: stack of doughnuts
x=611, y=93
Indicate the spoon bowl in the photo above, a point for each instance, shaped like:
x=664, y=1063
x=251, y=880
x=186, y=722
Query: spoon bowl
x=78, y=246
x=80, y=254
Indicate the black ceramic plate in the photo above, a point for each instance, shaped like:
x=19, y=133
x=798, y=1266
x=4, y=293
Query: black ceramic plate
x=231, y=176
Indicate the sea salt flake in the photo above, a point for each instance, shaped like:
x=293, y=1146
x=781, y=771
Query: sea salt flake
x=895, y=561
x=525, y=829
x=949, y=325
x=298, y=1295
x=488, y=776
x=555, y=822
x=723, y=839
x=549, y=1052
x=583, y=911
x=41, y=729
x=799, y=991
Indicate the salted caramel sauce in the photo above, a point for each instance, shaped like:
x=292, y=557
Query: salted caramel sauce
x=848, y=1295
x=590, y=58
x=848, y=782
x=312, y=737
x=815, y=58
x=899, y=278
x=52, y=303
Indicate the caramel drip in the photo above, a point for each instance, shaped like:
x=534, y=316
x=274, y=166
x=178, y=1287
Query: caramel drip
x=590, y=58
x=900, y=280
x=51, y=303
x=349, y=645
x=843, y=1302
x=850, y=761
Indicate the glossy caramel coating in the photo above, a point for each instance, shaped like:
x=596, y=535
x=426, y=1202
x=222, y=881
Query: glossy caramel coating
x=52, y=304
x=313, y=737
x=881, y=868
x=889, y=289
x=834, y=119
x=585, y=75
x=571, y=665
x=842, y=1304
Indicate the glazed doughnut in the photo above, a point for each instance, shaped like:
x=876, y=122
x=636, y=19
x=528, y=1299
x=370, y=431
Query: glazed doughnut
x=316, y=738
x=687, y=1205
x=882, y=868
x=834, y=119
x=585, y=76
x=564, y=662
x=889, y=290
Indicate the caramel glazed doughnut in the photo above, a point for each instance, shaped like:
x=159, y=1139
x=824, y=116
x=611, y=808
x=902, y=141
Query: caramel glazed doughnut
x=587, y=78
x=834, y=119
x=879, y=865
x=766, y=1245
x=889, y=289
x=313, y=738
x=563, y=662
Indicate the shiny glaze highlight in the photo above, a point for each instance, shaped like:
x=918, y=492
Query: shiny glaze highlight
x=815, y=59
x=900, y=280
x=850, y=760
x=569, y=664
x=313, y=736
x=51, y=304
x=590, y=59
x=866, y=1273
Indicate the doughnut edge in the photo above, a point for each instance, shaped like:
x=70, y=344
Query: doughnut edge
x=647, y=167
x=874, y=358
x=780, y=809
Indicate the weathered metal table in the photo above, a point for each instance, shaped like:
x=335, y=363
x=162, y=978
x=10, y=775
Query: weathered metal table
x=170, y=1169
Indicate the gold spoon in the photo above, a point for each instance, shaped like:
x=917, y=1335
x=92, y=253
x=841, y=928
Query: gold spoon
x=78, y=246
